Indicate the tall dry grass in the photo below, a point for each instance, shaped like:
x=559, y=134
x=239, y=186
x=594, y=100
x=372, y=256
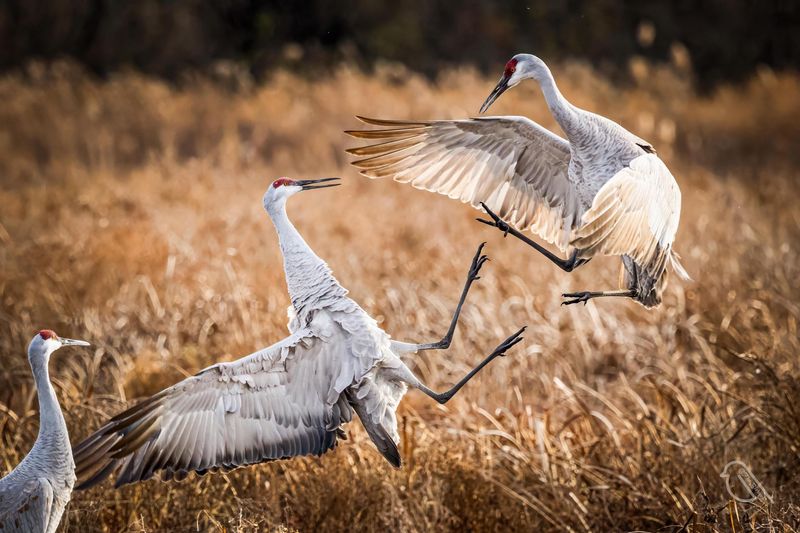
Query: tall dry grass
x=130, y=215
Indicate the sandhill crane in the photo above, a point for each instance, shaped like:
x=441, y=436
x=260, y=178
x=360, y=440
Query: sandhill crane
x=33, y=495
x=602, y=190
x=286, y=400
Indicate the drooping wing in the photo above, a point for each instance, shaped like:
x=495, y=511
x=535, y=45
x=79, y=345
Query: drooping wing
x=27, y=507
x=277, y=403
x=375, y=400
x=635, y=213
x=518, y=168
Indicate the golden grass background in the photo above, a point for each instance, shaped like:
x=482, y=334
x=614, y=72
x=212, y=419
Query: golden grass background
x=130, y=216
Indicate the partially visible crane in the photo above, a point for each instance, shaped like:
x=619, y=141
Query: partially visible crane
x=600, y=191
x=33, y=495
x=286, y=400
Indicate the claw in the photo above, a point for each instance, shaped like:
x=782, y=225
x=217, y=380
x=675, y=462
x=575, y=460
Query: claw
x=509, y=342
x=576, y=297
x=477, y=262
x=490, y=212
x=496, y=220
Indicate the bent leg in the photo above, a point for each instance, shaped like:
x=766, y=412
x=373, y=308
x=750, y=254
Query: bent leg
x=567, y=265
x=477, y=262
x=403, y=373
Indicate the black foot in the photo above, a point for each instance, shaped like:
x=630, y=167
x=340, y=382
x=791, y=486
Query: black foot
x=477, y=263
x=576, y=297
x=496, y=221
x=509, y=343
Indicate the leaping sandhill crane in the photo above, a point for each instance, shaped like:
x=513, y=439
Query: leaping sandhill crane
x=33, y=495
x=600, y=191
x=286, y=400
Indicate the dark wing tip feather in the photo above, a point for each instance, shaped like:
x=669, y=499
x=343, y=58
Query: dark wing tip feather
x=99, y=455
x=391, y=134
x=647, y=147
x=394, y=123
x=137, y=410
x=99, y=476
x=386, y=445
x=393, y=456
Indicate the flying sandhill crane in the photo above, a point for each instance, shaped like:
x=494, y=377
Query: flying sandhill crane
x=600, y=191
x=286, y=400
x=33, y=495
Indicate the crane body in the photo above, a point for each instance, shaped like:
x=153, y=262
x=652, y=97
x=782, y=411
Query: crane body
x=600, y=191
x=289, y=399
x=34, y=495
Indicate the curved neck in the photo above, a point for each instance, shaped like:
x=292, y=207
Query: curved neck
x=51, y=420
x=564, y=112
x=309, y=279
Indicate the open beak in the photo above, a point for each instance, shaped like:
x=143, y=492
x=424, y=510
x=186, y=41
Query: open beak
x=501, y=87
x=72, y=342
x=308, y=185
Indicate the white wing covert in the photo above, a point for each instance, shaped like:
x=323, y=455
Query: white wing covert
x=635, y=213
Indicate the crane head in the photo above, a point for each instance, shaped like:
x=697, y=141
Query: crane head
x=283, y=188
x=47, y=341
x=517, y=69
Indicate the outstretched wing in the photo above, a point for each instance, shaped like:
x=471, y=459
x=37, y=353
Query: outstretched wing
x=277, y=403
x=518, y=168
x=636, y=213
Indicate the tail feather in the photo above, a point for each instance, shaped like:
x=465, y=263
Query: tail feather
x=675, y=261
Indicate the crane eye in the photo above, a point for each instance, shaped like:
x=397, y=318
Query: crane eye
x=282, y=181
x=511, y=67
x=47, y=334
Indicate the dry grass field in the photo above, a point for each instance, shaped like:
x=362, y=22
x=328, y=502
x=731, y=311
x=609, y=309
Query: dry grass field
x=130, y=216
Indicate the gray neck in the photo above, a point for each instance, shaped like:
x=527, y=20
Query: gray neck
x=564, y=112
x=51, y=420
x=309, y=279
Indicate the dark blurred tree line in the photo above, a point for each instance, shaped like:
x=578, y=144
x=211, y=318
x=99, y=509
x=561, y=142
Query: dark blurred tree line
x=726, y=39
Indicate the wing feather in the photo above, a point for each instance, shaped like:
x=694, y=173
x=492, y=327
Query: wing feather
x=267, y=406
x=518, y=168
x=635, y=213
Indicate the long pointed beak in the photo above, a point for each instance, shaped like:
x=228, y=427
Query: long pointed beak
x=72, y=342
x=309, y=185
x=501, y=87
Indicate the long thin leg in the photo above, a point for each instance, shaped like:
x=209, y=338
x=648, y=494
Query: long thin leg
x=567, y=265
x=477, y=262
x=498, y=352
x=585, y=296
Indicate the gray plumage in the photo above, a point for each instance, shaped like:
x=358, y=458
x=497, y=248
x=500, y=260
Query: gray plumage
x=286, y=400
x=600, y=191
x=34, y=495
